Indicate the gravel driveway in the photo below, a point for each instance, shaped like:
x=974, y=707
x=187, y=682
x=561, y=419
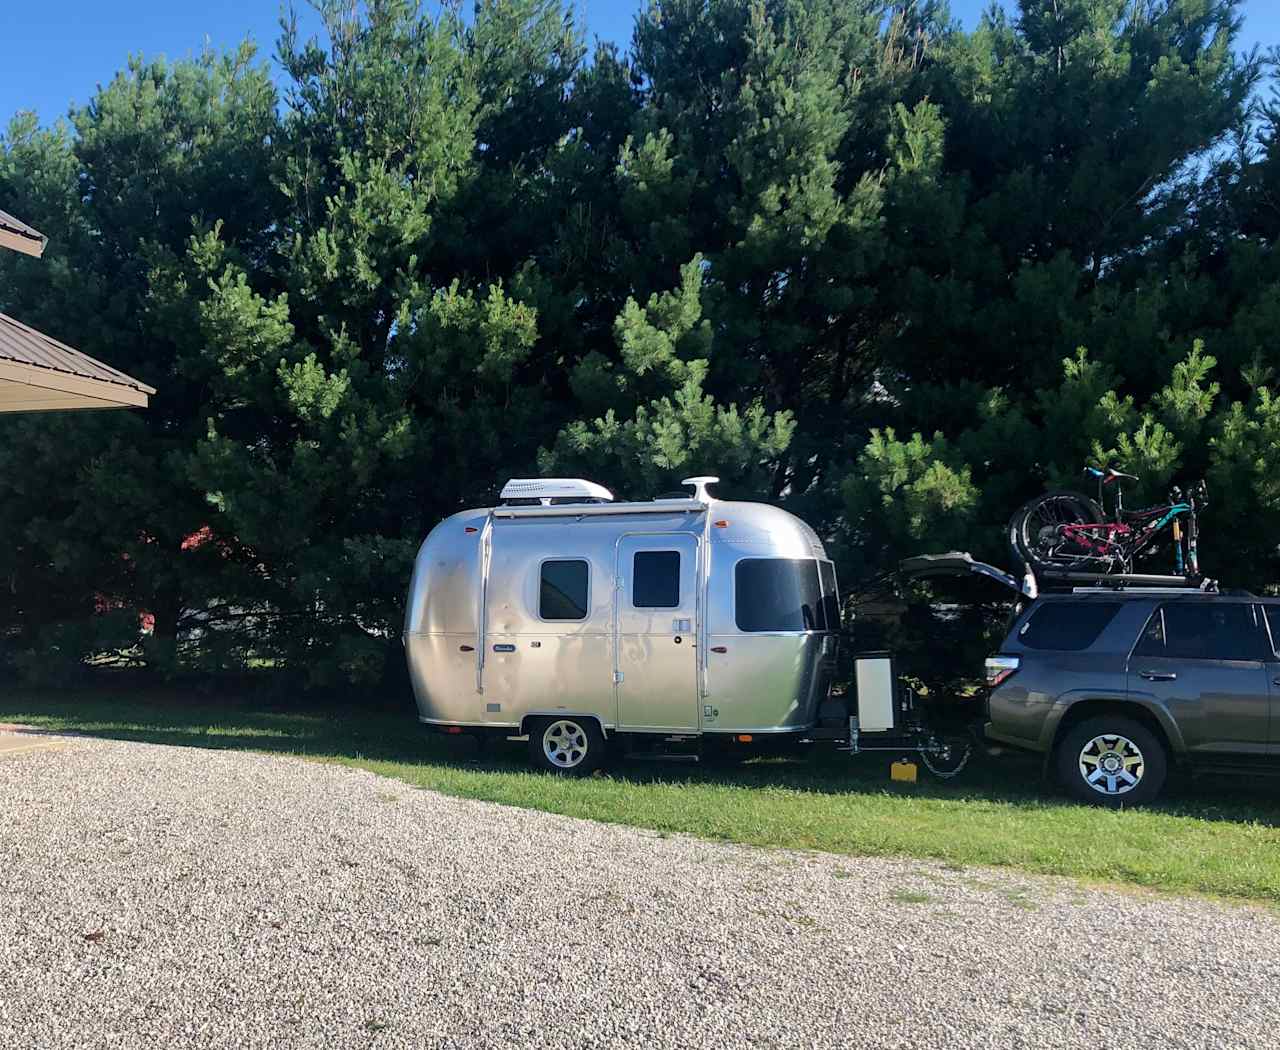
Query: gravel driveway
x=171, y=897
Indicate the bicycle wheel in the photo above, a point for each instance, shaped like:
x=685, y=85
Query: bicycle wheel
x=1036, y=535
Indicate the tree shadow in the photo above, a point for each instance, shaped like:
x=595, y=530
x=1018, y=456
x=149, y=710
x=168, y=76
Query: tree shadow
x=393, y=735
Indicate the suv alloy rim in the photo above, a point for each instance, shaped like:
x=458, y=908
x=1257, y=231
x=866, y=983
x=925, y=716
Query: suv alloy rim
x=565, y=744
x=1111, y=764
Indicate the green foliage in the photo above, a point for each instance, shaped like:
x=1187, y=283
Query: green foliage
x=893, y=275
x=680, y=426
x=916, y=491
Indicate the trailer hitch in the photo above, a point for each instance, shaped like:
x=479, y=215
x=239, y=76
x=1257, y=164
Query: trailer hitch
x=943, y=757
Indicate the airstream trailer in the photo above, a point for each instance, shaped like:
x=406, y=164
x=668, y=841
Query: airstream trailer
x=575, y=618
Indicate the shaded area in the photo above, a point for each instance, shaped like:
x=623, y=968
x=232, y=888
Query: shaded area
x=1220, y=837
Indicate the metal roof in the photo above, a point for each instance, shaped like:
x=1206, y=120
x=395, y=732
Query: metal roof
x=38, y=373
x=16, y=234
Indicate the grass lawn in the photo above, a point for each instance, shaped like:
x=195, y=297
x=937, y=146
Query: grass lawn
x=1220, y=838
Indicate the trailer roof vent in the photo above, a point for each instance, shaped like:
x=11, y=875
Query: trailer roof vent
x=558, y=490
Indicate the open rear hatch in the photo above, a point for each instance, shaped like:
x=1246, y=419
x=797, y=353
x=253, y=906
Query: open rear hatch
x=963, y=564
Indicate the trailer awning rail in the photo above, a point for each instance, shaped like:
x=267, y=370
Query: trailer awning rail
x=594, y=510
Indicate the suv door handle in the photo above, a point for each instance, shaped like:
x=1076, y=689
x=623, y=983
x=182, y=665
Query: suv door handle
x=1158, y=676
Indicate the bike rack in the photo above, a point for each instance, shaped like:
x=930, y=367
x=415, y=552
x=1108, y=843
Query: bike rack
x=1122, y=581
x=961, y=563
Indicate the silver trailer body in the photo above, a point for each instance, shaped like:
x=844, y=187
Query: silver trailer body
x=677, y=617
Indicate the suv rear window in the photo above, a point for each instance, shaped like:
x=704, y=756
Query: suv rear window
x=1067, y=625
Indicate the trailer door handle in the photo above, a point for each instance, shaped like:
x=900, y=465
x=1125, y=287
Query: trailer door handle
x=1158, y=676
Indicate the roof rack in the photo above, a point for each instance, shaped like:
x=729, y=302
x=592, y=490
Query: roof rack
x=1141, y=590
x=1131, y=582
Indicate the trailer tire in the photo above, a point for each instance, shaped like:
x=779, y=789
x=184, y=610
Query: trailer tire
x=571, y=746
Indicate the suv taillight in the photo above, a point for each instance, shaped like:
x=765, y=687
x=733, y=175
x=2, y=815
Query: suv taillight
x=999, y=668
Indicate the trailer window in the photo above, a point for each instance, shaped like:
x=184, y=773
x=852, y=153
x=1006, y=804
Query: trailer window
x=563, y=595
x=655, y=580
x=778, y=594
x=830, y=595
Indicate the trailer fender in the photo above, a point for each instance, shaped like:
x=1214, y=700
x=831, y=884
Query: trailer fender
x=531, y=716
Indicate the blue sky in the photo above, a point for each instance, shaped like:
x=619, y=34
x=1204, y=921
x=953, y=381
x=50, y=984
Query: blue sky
x=58, y=51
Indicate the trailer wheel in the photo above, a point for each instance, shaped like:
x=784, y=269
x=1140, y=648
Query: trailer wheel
x=572, y=746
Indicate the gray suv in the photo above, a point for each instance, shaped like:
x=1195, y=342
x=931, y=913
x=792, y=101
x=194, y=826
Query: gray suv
x=1114, y=686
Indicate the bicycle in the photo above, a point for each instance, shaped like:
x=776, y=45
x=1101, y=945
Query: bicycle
x=1065, y=530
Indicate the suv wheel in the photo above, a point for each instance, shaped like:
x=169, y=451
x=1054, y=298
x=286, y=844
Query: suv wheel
x=1111, y=761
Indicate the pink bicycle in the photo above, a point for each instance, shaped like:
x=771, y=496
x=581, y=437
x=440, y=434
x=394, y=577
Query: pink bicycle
x=1067, y=531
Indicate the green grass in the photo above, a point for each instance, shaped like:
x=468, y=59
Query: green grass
x=1222, y=839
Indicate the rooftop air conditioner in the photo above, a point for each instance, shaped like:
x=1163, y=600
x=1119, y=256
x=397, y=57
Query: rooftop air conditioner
x=557, y=489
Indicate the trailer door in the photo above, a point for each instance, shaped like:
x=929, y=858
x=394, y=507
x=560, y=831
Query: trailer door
x=656, y=632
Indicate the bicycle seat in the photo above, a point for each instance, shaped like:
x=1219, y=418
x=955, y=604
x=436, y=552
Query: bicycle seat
x=1109, y=475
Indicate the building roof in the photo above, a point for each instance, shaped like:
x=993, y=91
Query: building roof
x=38, y=373
x=16, y=234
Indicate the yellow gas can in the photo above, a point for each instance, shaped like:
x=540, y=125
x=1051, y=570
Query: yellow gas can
x=904, y=771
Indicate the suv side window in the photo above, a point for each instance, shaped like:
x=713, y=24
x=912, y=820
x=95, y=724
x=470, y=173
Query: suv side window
x=1273, y=618
x=1151, y=642
x=1067, y=626
x=1205, y=631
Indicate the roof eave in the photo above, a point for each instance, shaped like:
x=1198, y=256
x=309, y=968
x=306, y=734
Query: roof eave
x=47, y=390
x=21, y=242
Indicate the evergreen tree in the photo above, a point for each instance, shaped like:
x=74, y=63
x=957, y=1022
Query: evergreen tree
x=101, y=507
x=892, y=274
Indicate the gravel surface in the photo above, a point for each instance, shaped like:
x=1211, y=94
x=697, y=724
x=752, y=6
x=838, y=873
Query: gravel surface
x=168, y=897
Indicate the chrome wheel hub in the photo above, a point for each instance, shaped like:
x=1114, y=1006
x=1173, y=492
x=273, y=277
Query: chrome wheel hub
x=1112, y=764
x=565, y=744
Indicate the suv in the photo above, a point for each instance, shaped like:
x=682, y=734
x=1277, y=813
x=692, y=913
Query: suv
x=1113, y=686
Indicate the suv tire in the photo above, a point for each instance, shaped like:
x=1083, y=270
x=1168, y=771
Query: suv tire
x=1110, y=760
